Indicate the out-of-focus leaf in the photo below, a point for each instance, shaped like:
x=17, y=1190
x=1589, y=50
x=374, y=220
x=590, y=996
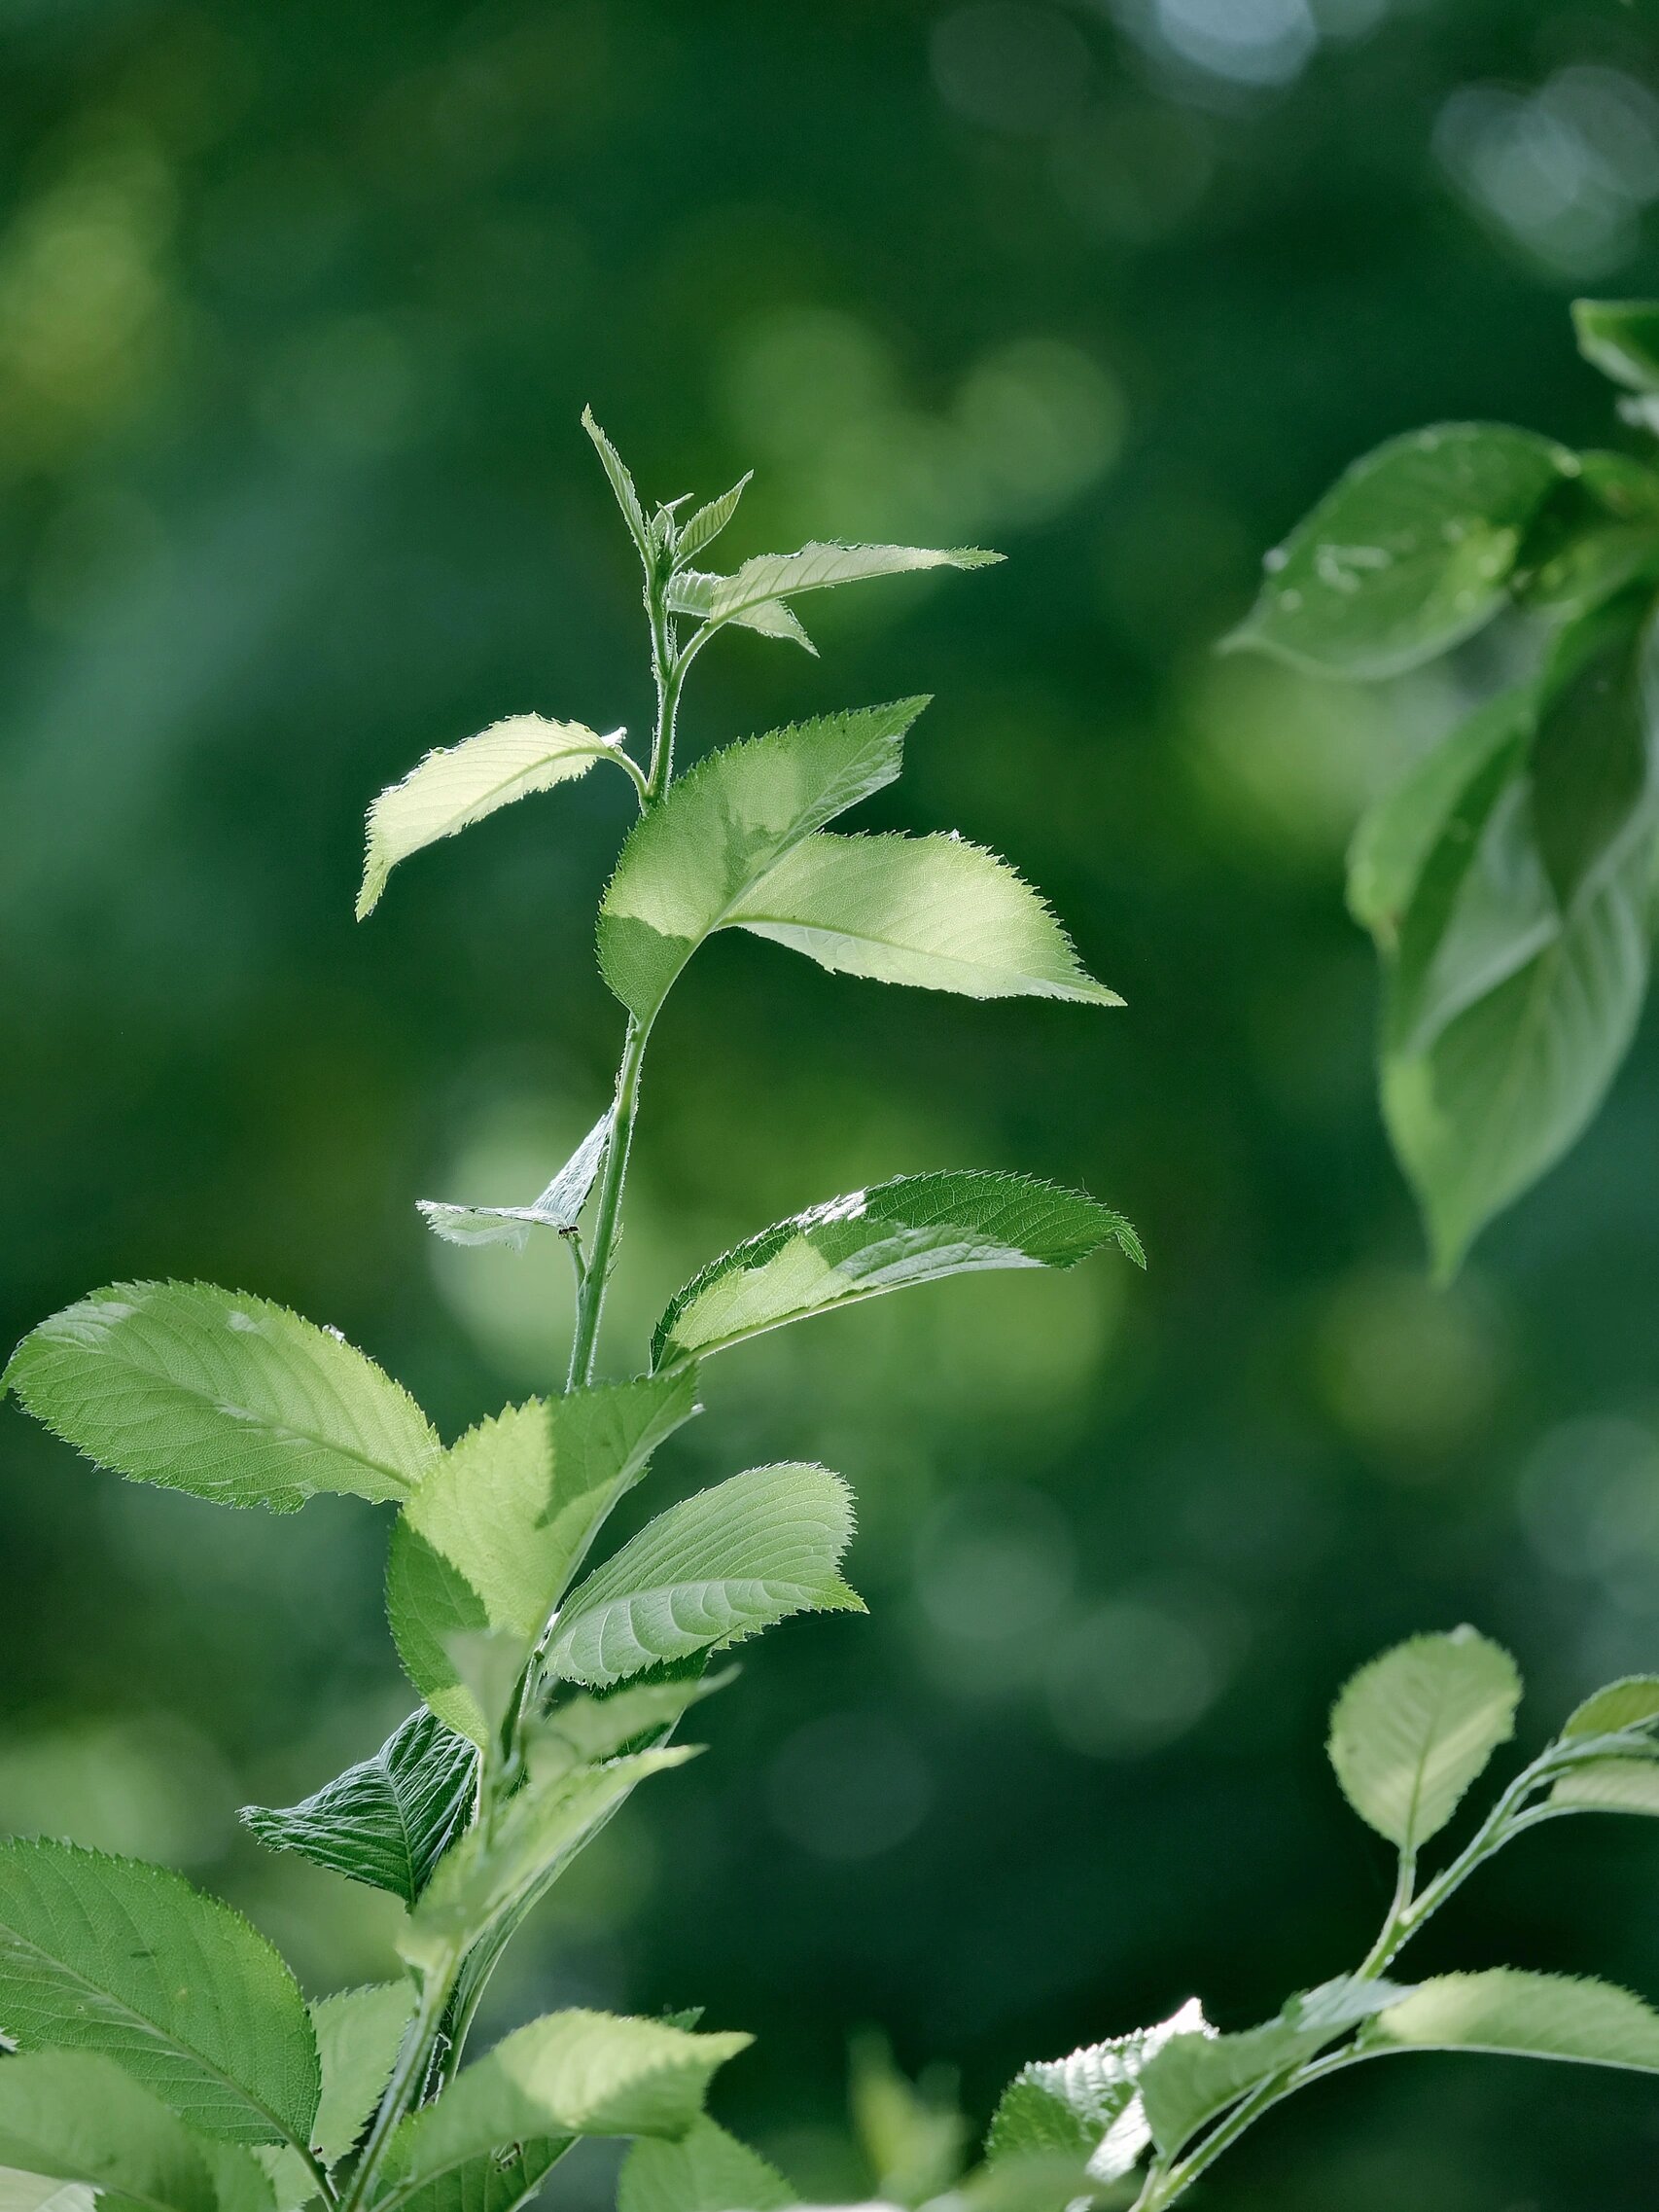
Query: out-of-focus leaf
x=1413, y=1730
x=73, y=2117
x=706, y=2170
x=1526, y=2016
x=1621, y=339
x=1592, y=756
x=42, y=2192
x=1596, y=534
x=558, y=1208
x=913, y=2134
x=388, y=1820
x=710, y=1571
x=689, y=862
x=454, y=786
x=917, y=1229
x=936, y=913
x=229, y=1397
x=1632, y=1703
x=1410, y=551
x=1610, y=1785
x=112, y=1956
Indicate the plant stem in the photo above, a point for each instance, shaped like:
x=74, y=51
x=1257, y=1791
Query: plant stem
x=409, y=2078
x=608, y=1218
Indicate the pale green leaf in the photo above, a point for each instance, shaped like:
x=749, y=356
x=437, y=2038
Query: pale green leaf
x=1632, y=1703
x=498, y=2181
x=1193, y=2078
x=816, y=568
x=589, y=1727
x=1413, y=1730
x=558, y=1208
x=572, y=2073
x=1410, y=551
x=707, y=2171
x=1523, y=2015
x=1621, y=338
x=707, y=524
x=622, y=485
x=710, y=1571
x=1610, y=1785
x=491, y=1879
x=128, y=1960
x=359, y=2032
x=495, y=1534
x=776, y=618
x=913, y=2134
x=1089, y=2106
x=691, y=862
x=42, y=2192
x=455, y=786
x=226, y=1396
x=932, y=912
x=388, y=1820
x=75, y=2116
x=917, y=1229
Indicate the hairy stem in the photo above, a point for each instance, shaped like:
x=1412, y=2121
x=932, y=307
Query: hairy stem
x=408, y=2078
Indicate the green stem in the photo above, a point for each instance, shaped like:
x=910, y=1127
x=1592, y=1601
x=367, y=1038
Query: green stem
x=608, y=1215
x=408, y=2078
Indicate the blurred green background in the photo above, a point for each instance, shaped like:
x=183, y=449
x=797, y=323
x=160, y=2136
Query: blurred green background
x=299, y=305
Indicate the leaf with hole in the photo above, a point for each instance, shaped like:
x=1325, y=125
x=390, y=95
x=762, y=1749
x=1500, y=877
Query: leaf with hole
x=1413, y=1730
x=226, y=1396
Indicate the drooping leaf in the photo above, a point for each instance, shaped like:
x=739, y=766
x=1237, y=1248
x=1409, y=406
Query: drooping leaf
x=917, y=1229
x=1087, y=2107
x=1524, y=2015
x=575, y=2073
x=707, y=524
x=454, y=786
x=1410, y=551
x=707, y=2171
x=1413, y=1730
x=127, y=1960
x=1632, y=1703
x=490, y=1879
x=496, y=1533
x=389, y=1820
x=712, y=1569
x=76, y=2117
x=1194, y=2078
x=936, y=913
x=815, y=568
x=358, y=2032
x=226, y=1396
x=1621, y=339
x=558, y=1208
x=1610, y=1785
x=622, y=485
x=691, y=861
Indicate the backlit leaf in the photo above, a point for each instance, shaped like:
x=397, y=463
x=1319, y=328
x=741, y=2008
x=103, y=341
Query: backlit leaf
x=1524, y=2015
x=1089, y=2106
x=707, y=524
x=707, y=2171
x=622, y=485
x=73, y=2117
x=1415, y=1728
x=229, y=1397
x=1610, y=1785
x=359, y=2032
x=917, y=1229
x=1633, y=1702
x=817, y=567
x=932, y=912
x=558, y=1208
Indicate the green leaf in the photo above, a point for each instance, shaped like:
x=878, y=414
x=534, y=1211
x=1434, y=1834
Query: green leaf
x=622, y=485
x=226, y=1396
x=558, y=1208
x=1610, y=1785
x=42, y=2192
x=454, y=786
x=502, y=1524
x=1413, y=1730
x=387, y=1821
x=1408, y=553
x=1523, y=2015
x=1490, y=1101
x=932, y=912
x=1621, y=339
x=707, y=2171
x=815, y=568
x=73, y=2117
x=1592, y=758
x=1194, y=2078
x=359, y=2032
x=587, y=1730
x=917, y=1229
x=776, y=618
x=691, y=861
x=913, y=2134
x=574, y=2073
x=1596, y=534
x=1632, y=1703
x=491, y=1879
x=707, y=524
x=499, y=2181
x=1087, y=2107
x=117, y=1957
x=710, y=1571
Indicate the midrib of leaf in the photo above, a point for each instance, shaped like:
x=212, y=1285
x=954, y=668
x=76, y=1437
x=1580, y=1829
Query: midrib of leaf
x=967, y=967
x=169, y=1385
x=164, y=2039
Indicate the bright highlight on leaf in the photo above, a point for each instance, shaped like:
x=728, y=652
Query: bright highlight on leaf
x=770, y=577
x=558, y=1208
x=455, y=786
x=1089, y=2106
x=229, y=1397
x=1523, y=2015
x=1415, y=1728
x=917, y=1229
x=935, y=912
x=77, y=2118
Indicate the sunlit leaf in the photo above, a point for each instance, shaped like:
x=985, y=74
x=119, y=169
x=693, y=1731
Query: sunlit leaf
x=42, y=2192
x=1413, y=1730
x=706, y=2170
x=707, y=524
x=112, y=1956
x=1632, y=1703
x=1087, y=2106
x=1610, y=1785
x=691, y=862
x=815, y=568
x=73, y=2117
x=389, y=1820
x=229, y=1397
x=622, y=485
x=358, y=2035
x=1525, y=2015
x=588, y=1729
x=710, y=1571
x=558, y=1208
x=1410, y=551
x=917, y=1229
